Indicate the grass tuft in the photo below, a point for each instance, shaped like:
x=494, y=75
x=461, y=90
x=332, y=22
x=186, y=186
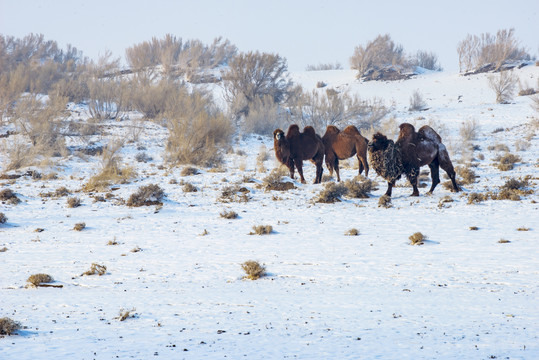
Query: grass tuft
x=8, y=326
x=38, y=279
x=229, y=215
x=417, y=238
x=352, y=232
x=384, y=201
x=332, y=193
x=262, y=230
x=96, y=269
x=79, y=226
x=147, y=195
x=253, y=270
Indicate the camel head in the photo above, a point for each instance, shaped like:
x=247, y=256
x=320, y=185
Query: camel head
x=278, y=135
x=379, y=142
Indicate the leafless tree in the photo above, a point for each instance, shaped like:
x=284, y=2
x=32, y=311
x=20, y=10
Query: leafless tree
x=380, y=52
x=503, y=84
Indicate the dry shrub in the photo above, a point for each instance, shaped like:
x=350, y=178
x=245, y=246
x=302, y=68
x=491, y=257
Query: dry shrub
x=73, y=202
x=79, y=226
x=499, y=147
x=96, y=269
x=522, y=228
x=467, y=175
x=3, y=249
x=384, y=201
x=198, y=131
x=360, y=187
x=126, y=314
x=143, y=157
x=417, y=238
x=274, y=180
x=475, y=198
x=378, y=53
x=189, y=170
x=253, y=270
x=513, y=189
x=147, y=195
x=504, y=85
x=112, y=172
x=229, y=214
x=507, y=162
x=444, y=201
x=503, y=241
x=38, y=279
x=468, y=130
x=352, y=232
x=8, y=326
x=332, y=193
x=3, y=218
x=234, y=193
x=473, y=228
x=113, y=242
x=262, y=230
x=417, y=103
x=188, y=188
x=7, y=196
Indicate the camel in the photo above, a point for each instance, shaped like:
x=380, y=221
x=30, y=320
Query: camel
x=342, y=145
x=405, y=156
x=297, y=146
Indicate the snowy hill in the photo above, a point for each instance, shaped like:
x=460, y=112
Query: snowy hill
x=469, y=292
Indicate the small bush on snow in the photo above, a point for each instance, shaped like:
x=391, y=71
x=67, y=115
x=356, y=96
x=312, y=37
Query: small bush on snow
x=253, y=270
x=8, y=326
x=146, y=195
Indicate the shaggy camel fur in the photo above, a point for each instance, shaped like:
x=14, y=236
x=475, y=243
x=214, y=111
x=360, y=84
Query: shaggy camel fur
x=295, y=147
x=411, y=151
x=342, y=145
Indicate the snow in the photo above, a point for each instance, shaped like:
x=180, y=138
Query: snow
x=461, y=295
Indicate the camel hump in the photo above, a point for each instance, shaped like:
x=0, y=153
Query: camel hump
x=309, y=130
x=332, y=129
x=351, y=130
x=293, y=130
x=428, y=133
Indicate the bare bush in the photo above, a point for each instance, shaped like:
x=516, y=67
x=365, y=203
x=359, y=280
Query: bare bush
x=106, y=90
x=79, y=226
x=417, y=103
x=229, y=215
x=38, y=279
x=96, y=268
x=198, y=132
x=417, y=238
x=253, y=270
x=504, y=85
x=111, y=170
x=332, y=193
x=262, y=230
x=3, y=218
x=359, y=187
x=263, y=117
x=320, y=109
x=426, y=60
x=146, y=195
x=252, y=76
x=378, y=53
x=488, y=52
x=324, y=67
x=7, y=196
x=73, y=202
x=468, y=130
x=8, y=326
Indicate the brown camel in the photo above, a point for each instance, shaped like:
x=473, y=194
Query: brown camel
x=411, y=151
x=342, y=145
x=295, y=147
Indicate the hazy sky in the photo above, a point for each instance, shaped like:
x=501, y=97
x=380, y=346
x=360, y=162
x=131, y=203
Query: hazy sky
x=305, y=32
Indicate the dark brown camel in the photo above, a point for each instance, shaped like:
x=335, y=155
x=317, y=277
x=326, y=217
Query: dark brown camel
x=411, y=151
x=295, y=147
x=342, y=145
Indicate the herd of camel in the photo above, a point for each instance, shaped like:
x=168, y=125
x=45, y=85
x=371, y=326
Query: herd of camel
x=412, y=150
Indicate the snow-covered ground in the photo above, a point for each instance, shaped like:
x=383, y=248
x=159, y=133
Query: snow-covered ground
x=461, y=295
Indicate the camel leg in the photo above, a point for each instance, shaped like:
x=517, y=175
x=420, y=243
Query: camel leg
x=299, y=166
x=290, y=166
x=447, y=166
x=389, y=188
x=329, y=164
x=434, y=174
x=365, y=165
x=336, y=166
x=412, y=177
x=319, y=171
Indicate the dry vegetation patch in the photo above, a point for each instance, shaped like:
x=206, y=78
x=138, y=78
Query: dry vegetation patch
x=42, y=280
x=417, y=238
x=229, y=214
x=274, y=181
x=8, y=326
x=332, y=193
x=73, y=202
x=96, y=269
x=3, y=218
x=79, y=226
x=360, y=187
x=253, y=270
x=147, y=195
x=8, y=197
x=352, y=232
x=234, y=193
x=507, y=161
x=384, y=201
x=262, y=230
